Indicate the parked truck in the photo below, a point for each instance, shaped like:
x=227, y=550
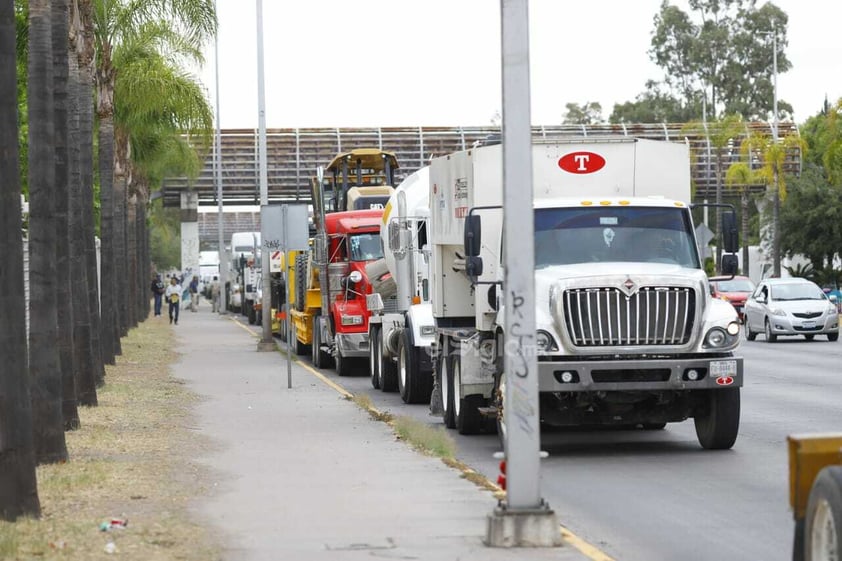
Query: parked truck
x=626, y=331
x=815, y=495
x=330, y=314
x=401, y=330
x=245, y=266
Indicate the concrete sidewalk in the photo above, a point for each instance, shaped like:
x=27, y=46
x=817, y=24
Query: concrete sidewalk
x=304, y=473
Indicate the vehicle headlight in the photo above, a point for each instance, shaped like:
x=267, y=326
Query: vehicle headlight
x=545, y=342
x=428, y=330
x=352, y=320
x=831, y=309
x=718, y=338
x=733, y=328
x=778, y=312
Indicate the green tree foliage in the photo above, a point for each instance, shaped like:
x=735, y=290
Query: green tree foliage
x=588, y=113
x=721, y=51
x=22, y=53
x=165, y=237
x=655, y=106
x=811, y=221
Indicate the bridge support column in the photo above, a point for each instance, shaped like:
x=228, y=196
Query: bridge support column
x=189, y=235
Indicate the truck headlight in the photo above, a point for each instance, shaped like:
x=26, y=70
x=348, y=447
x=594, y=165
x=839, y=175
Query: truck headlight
x=544, y=341
x=352, y=320
x=718, y=338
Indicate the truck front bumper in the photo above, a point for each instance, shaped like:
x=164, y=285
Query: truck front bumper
x=352, y=344
x=640, y=374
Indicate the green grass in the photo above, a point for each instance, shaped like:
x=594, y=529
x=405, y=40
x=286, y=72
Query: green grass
x=430, y=440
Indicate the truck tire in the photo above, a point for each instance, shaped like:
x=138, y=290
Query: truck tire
x=415, y=384
x=466, y=409
x=823, y=520
x=767, y=330
x=344, y=365
x=315, y=348
x=387, y=372
x=447, y=398
x=300, y=281
x=750, y=335
x=374, y=355
x=718, y=423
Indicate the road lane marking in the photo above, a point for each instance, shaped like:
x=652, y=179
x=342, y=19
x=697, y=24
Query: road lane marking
x=588, y=550
x=325, y=379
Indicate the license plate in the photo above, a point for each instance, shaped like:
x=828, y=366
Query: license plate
x=808, y=324
x=719, y=368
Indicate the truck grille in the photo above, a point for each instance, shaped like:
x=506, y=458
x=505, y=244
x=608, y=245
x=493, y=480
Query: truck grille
x=605, y=317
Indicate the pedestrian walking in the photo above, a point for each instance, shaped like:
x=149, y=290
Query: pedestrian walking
x=215, y=294
x=173, y=295
x=158, y=290
x=194, y=293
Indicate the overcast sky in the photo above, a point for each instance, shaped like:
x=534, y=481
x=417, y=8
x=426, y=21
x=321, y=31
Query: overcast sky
x=437, y=62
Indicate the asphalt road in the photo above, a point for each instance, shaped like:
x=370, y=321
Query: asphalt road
x=650, y=496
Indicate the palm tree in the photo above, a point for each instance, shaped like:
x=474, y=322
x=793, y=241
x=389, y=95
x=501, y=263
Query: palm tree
x=44, y=359
x=116, y=22
x=771, y=157
x=155, y=101
x=18, y=486
x=88, y=336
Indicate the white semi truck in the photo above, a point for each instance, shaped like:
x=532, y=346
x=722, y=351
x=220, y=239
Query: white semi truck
x=401, y=326
x=626, y=331
x=245, y=264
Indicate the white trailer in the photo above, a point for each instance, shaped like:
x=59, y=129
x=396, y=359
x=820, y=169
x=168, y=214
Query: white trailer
x=401, y=326
x=626, y=331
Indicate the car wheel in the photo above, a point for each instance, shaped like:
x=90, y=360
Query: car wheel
x=823, y=520
x=833, y=336
x=750, y=335
x=767, y=330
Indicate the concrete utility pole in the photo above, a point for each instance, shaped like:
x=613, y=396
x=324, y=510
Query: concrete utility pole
x=217, y=169
x=266, y=343
x=523, y=518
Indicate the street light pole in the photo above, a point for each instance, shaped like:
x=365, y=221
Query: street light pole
x=265, y=343
x=217, y=168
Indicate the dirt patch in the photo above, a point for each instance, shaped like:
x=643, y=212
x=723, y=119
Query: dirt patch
x=132, y=459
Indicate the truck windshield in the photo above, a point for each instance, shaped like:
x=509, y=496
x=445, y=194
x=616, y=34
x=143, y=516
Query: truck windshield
x=566, y=236
x=366, y=247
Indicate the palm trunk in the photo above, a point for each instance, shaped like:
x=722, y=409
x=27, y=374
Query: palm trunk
x=18, y=486
x=44, y=360
x=64, y=294
x=718, y=210
x=88, y=379
x=121, y=250
x=776, y=226
x=131, y=253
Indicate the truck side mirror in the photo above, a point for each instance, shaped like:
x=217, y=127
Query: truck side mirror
x=473, y=235
x=730, y=264
x=730, y=236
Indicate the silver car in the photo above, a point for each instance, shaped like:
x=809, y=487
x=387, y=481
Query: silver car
x=790, y=307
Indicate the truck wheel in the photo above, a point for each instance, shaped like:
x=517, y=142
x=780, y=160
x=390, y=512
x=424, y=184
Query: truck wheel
x=770, y=337
x=447, y=393
x=300, y=281
x=718, y=423
x=415, y=384
x=374, y=355
x=344, y=366
x=750, y=335
x=388, y=373
x=466, y=410
x=833, y=336
x=823, y=521
x=315, y=348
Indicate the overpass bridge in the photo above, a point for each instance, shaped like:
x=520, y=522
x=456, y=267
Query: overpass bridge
x=293, y=155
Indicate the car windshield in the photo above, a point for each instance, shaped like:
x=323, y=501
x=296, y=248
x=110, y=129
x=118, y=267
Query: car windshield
x=735, y=285
x=366, y=247
x=566, y=236
x=797, y=291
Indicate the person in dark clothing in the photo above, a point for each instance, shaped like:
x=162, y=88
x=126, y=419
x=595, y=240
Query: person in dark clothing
x=157, y=289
